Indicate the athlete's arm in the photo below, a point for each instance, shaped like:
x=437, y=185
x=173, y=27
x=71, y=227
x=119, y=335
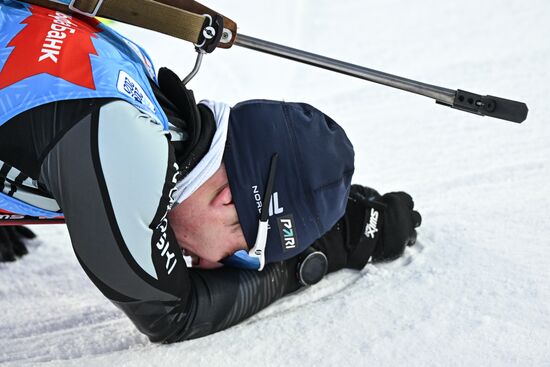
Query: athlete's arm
x=113, y=174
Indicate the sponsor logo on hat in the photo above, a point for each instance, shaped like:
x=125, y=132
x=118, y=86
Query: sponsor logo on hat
x=274, y=207
x=287, y=231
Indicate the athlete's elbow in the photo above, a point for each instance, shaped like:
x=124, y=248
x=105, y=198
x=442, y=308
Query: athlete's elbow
x=159, y=321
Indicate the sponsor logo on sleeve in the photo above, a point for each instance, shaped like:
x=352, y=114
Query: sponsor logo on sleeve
x=129, y=87
x=163, y=244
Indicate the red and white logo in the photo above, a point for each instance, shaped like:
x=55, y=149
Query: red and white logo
x=53, y=43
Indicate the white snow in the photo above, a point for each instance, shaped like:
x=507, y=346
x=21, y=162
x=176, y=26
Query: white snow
x=475, y=291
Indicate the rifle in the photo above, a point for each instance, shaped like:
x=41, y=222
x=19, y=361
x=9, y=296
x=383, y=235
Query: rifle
x=209, y=30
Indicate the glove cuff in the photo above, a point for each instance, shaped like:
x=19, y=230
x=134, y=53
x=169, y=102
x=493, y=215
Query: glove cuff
x=368, y=239
x=363, y=223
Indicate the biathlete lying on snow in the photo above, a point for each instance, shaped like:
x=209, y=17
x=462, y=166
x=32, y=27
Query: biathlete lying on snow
x=140, y=172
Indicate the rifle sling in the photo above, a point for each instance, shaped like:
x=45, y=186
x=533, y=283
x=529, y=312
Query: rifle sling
x=172, y=17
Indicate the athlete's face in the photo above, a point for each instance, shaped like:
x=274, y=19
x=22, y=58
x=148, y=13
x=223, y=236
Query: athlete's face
x=206, y=224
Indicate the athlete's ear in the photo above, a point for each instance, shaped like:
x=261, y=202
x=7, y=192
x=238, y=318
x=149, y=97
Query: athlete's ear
x=223, y=197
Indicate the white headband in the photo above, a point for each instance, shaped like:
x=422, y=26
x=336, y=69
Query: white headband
x=210, y=163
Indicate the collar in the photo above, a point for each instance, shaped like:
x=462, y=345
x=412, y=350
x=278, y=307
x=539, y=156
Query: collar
x=212, y=160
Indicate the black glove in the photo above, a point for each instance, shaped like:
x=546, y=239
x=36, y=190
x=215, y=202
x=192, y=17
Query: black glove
x=387, y=224
x=12, y=242
x=374, y=226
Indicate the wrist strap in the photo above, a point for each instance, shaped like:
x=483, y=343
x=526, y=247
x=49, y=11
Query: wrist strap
x=365, y=238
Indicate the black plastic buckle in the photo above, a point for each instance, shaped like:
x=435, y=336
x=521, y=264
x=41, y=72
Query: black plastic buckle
x=211, y=34
x=92, y=14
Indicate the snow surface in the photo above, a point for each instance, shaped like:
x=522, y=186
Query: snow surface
x=475, y=291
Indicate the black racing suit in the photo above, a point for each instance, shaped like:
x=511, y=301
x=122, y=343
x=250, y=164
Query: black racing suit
x=111, y=169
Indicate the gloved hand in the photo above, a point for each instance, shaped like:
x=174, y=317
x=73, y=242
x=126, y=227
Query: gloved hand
x=12, y=242
x=374, y=226
x=388, y=223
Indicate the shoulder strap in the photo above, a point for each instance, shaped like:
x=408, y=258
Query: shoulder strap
x=183, y=19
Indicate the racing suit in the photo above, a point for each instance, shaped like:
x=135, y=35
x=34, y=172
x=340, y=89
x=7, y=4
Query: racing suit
x=113, y=176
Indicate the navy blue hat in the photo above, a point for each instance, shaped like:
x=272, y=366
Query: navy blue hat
x=311, y=181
